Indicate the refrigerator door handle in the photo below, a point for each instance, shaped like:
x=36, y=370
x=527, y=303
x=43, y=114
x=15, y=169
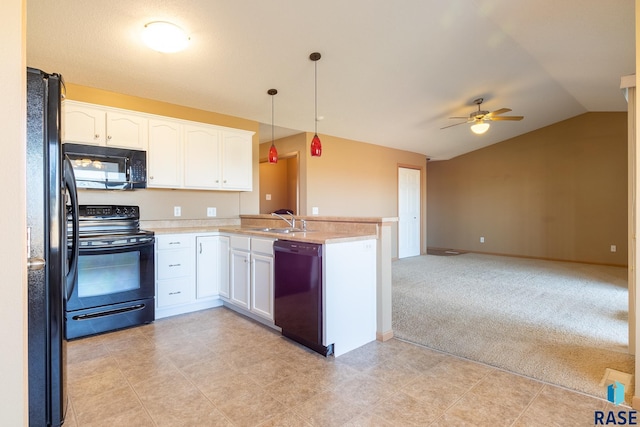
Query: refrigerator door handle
x=70, y=184
x=33, y=263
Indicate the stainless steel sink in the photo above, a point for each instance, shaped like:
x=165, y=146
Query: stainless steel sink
x=279, y=230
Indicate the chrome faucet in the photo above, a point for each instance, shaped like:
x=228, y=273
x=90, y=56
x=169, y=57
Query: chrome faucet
x=291, y=223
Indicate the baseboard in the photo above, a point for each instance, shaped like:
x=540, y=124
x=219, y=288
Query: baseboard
x=462, y=251
x=384, y=336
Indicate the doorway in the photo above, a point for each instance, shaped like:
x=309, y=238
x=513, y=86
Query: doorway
x=279, y=189
x=408, y=212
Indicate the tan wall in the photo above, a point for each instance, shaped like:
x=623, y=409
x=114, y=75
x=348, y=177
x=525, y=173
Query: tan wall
x=559, y=192
x=157, y=204
x=13, y=259
x=351, y=178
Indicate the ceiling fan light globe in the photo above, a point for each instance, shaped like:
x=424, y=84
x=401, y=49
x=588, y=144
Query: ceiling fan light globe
x=480, y=128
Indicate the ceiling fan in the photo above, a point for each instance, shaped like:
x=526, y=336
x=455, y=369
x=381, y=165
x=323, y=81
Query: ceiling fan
x=480, y=118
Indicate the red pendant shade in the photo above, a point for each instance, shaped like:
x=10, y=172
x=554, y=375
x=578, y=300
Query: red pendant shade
x=316, y=146
x=273, y=154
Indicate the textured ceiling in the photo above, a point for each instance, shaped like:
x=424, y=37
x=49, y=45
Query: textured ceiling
x=391, y=73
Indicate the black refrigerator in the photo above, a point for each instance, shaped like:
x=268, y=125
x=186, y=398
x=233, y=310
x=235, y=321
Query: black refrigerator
x=52, y=254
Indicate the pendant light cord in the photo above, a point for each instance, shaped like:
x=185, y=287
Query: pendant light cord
x=272, y=119
x=315, y=63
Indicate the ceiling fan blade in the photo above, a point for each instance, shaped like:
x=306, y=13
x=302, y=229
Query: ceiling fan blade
x=507, y=118
x=455, y=124
x=461, y=118
x=500, y=111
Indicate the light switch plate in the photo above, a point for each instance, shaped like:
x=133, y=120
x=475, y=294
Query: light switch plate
x=177, y=211
x=314, y=210
x=211, y=212
x=268, y=196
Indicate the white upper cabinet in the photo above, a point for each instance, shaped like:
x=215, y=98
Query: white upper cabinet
x=126, y=130
x=164, y=165
x=96, y=125
x=236, y=158
x=83, y=124
x=180, y=153
x=202, y=155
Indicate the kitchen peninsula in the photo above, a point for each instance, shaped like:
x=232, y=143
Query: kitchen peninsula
x=207, y=263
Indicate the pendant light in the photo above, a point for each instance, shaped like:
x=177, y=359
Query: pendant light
x=316, y=145
x=273, y=153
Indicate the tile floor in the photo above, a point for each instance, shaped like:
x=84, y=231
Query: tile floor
x=217, y=368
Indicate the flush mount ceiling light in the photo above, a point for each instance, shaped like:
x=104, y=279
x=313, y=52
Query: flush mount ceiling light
x=480, y=127
x=273, y=153
x=164, y=37
x=316, y=145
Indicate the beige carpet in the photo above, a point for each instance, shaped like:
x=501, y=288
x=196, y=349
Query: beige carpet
x=563, y=323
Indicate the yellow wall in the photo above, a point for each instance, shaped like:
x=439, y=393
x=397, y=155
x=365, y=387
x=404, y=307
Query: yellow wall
x=157, y=204
x=559, y=192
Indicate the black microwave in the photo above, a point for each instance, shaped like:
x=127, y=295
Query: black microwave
x=107, y=168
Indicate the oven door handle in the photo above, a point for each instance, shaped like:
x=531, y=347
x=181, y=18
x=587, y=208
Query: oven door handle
x=116, y=248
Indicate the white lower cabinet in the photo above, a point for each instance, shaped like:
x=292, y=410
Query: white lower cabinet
x=251, y=276
x=189, y=270
x=212, y=265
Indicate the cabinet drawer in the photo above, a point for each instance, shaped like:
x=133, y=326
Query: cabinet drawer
x=263, y=246
x=174, y=242
x=240, y=242
x=171, y=292
x=174, y=263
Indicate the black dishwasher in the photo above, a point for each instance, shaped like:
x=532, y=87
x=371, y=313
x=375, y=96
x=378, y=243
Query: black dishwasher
x=298, y=293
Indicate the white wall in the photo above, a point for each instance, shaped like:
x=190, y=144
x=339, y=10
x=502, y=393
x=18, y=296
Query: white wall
x=13, y=370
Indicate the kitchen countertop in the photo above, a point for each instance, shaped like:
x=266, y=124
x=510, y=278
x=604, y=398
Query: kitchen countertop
x=320, y=237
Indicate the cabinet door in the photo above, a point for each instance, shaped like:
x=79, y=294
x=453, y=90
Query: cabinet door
x=212, y=265
x=237, y=163
x=262, y=285
x=165, y=154
x=239, y=278
x=223, y=276
x=83, y=125
x=126, y=130
x=201, y=157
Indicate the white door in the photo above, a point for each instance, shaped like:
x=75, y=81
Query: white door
x=408, y=212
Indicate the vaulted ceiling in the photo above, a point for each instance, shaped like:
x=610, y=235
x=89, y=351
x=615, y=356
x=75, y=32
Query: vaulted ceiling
x=391, y=73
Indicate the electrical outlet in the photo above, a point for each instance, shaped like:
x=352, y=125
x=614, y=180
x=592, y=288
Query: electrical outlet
x=177, y=211
x=481, y=239
x=613, y=248
x=314, y=210
x=211, y=212
x=267, y=196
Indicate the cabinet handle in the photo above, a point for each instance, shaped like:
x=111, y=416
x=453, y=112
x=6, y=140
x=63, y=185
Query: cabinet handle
x=151, y=177
x=225, y=181
x=200, y=247
x=96, y=136
x=174, y=265
x=108, y=136
x=175, y=293
x=174, y=243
